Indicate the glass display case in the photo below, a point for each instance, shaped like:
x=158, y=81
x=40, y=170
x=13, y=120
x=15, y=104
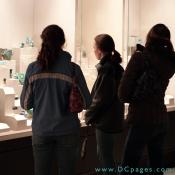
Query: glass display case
x=143, y=14
x=127, y=21
x=95, y=17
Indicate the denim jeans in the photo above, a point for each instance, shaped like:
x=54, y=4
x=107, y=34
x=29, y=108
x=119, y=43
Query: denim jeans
x=64, y=148
x=105, y=148
x=140, y=137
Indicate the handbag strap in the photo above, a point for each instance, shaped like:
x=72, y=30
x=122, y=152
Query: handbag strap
x=73, y=70
x=74, y=79
x=148, y=65
x=146, y=60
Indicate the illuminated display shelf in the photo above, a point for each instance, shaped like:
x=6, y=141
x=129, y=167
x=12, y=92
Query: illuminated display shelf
x=13, y=134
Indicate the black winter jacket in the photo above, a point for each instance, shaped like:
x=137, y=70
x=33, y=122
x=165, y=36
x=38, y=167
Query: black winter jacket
x=106, y=111
x=151, y=111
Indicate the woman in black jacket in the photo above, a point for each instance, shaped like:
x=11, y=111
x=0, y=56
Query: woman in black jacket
x=148, y=117
x=106, y=112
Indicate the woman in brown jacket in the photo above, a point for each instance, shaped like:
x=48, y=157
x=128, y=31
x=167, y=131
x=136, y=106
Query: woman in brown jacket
x=148, y=118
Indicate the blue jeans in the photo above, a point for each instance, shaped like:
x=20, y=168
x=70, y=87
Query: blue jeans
x=140, y=137
x=64, y=148
x=105, y=148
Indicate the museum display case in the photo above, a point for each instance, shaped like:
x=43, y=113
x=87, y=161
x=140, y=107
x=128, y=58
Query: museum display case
x=23, y=22
x=95, y=17
x=127, y=21
x=124, y=20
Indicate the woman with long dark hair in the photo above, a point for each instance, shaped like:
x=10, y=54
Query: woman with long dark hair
x=106, y=111
x=47, y=87
x=147, y=118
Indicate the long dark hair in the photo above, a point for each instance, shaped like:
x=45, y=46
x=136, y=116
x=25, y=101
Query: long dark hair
x=159, y=40
x=106, y=44
x=53, y=39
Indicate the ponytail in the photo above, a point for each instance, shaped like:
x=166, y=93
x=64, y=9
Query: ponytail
x=47, y=56
x=116, y=57
x=106, y=44
x=52, y=41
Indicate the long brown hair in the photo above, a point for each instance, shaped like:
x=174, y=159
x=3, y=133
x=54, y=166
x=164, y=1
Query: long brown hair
x=53, y=39
x=159, y=40
x=106, y=44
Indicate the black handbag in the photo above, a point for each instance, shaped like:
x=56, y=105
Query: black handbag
x=148, y=84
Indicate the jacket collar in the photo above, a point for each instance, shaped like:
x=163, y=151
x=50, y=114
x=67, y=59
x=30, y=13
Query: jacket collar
x=102, y=62
x=105, y=59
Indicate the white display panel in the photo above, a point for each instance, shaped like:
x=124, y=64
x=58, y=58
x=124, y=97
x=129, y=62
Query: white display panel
x=94, y=17
x=16, y=18
x=60, y=12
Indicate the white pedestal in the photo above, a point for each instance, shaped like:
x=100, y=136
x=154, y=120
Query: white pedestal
x=4, y=73
x=9, y=116
x=169, y=100
x=17, y=106
x=10, y=64
x=5, y=67
x=14, y=83
x=4, y=127
x=16, y=121
x=7, y=97
x=24, y=56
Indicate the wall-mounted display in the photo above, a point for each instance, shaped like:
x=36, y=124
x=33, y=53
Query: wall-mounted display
x=95, y=17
